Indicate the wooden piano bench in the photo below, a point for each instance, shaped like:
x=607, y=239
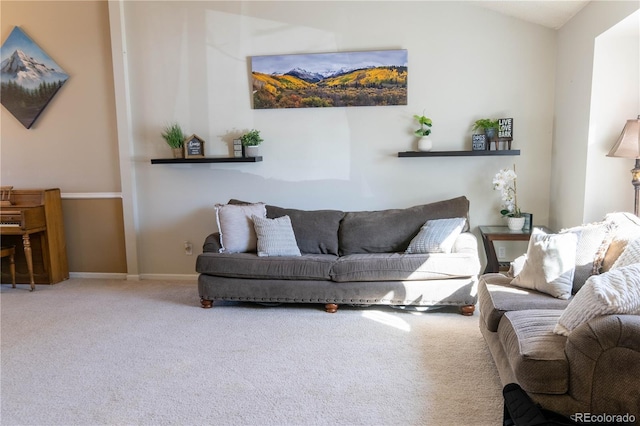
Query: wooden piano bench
x=11, y=253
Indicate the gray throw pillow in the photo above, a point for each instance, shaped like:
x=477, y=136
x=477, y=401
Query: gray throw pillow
x=275, y=237
x=436, y=236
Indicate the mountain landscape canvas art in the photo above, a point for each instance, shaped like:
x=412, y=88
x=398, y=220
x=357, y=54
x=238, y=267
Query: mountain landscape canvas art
x=29, y=78
x=345, y=79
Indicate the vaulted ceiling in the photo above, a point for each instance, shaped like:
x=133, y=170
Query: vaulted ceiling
x=549, y=13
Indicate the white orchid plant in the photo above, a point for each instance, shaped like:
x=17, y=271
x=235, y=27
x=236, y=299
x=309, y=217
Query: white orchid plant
x=505, y=182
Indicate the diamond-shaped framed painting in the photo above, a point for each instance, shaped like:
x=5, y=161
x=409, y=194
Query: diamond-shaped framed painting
x=29, y=78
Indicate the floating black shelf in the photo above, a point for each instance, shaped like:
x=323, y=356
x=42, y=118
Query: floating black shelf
x=206, y=160
x=457, y=153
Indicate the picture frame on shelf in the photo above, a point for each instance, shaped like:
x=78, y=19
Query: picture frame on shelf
x=238, y=149
x=193, y=147
x=528, y=222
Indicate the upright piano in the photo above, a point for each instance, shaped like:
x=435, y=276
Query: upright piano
x=32, y=221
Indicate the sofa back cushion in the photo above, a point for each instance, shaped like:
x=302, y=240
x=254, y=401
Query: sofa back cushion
x=316, y=230
x=391, y=231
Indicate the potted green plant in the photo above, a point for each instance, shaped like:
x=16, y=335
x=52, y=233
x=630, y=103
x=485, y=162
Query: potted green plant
x=488, y=126
x=424, y=141
x=175, y=138
x=251, y=140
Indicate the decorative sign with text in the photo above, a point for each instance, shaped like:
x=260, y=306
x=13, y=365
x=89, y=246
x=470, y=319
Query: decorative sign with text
x=505, y=130
x=193, y=147
x=479, y=142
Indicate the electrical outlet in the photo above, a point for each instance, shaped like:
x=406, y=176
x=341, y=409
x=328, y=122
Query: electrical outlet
x=501, y=253
x=188, y=248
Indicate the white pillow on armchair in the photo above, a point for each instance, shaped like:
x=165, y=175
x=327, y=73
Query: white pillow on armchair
x=549, y=264
x=614, y=292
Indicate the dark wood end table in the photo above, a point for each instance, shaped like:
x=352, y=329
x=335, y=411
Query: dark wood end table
x=501, y=233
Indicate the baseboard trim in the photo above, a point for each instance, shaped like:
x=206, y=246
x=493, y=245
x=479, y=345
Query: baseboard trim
x=133, y=277
x=99, y=275
x=169, y=277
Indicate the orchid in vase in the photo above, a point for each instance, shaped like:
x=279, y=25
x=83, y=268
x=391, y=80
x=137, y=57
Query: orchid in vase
x=505, y=182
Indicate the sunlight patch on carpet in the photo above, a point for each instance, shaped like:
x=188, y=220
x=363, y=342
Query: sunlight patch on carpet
x=387, y=319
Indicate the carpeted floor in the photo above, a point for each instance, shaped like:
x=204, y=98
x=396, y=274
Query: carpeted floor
x=108, y=352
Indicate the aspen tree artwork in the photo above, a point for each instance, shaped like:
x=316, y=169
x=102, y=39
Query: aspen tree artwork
x=344, y=79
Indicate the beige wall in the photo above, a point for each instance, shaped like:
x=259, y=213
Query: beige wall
x=73, y=144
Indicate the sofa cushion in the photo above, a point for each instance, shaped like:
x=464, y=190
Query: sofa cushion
x=535, y=353
x=250, y=265
x=550, y=264
x=391, y=231
x=496, y=296
x=237, y=233
x=275, y=236
x=316, y=230
x=437, y=236
x=614, y=292
x=403, y=267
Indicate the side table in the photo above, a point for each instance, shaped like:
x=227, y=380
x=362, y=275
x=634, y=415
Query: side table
x=501, y=233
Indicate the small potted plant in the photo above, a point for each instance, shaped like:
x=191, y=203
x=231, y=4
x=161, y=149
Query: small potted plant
x=175, y=138
x=251, y=140
x=424, y=141
x=488, y=126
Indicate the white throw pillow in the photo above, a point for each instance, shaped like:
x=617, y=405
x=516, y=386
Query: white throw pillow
x=516, y=265
x=237, y=234
x=275, y=237
x=614, y=292
x=436, y=236
x=590, y=239
x=549, y=265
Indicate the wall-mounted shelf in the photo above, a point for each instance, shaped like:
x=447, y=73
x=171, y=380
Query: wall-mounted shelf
x=206, y=160
x=457, y=153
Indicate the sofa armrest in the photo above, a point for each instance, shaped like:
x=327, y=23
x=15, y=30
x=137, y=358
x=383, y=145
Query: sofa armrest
x=212, y=243
x=604, y=364
x=466, y=242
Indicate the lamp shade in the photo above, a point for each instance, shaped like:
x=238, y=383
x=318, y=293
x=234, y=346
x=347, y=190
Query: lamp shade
x=628, y=144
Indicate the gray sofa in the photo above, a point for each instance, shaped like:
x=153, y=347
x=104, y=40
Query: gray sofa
x=355, y=258
x=593, y=370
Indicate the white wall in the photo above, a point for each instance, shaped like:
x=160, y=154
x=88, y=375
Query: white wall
x=188, y=61
x=576, y=189
x=615, y=99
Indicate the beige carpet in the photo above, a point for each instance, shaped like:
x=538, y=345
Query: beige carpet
x=107, y=352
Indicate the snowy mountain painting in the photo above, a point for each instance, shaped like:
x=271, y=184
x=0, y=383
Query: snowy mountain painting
x=330, y=79
x=29, y=78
